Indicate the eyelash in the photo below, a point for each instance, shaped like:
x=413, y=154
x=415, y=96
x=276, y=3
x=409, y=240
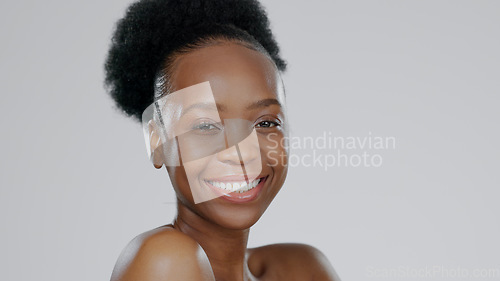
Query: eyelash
x=204, y=124
x=272, y=124
x=212, y=127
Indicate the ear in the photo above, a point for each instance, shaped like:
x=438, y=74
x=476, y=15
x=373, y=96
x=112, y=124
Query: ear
x=155, y=144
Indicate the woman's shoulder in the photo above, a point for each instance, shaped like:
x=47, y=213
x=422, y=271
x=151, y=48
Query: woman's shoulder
x=295, y=259
x=163, y=253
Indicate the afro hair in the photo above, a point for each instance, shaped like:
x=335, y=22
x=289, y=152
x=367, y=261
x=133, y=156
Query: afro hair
x=152, y=30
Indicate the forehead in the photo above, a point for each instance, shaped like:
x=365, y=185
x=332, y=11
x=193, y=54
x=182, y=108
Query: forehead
x=236, y=73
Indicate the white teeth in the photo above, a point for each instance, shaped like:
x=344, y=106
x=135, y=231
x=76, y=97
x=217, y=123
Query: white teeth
x=239, y=187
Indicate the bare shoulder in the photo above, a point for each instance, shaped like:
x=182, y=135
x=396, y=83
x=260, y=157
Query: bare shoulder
x=163, y=253
x=303, y=262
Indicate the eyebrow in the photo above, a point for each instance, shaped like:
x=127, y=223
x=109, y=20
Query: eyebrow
x=205, y=106
x=221, y=107
x=263, y=103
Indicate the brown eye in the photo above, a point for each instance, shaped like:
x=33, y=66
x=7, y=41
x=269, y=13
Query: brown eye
x=267, y=124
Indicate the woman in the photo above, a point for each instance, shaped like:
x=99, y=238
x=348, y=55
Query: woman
x=211, y=72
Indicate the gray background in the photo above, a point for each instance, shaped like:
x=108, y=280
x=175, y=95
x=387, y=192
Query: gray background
x=76, y=184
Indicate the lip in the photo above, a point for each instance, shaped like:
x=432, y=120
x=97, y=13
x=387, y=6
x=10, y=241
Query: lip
x=231, y=178
x=236, y=197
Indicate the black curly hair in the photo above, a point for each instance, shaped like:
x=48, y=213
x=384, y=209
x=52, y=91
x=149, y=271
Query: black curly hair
x=153, y=32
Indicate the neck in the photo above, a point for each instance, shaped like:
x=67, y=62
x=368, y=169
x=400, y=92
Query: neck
x=225, y=248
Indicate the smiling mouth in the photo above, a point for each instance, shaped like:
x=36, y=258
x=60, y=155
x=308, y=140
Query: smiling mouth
x=237, y=190
x=235, y=186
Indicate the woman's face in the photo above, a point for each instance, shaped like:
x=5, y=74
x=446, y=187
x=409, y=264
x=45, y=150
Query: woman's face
x=235, y=144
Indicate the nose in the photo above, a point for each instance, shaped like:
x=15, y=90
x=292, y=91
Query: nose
x=244, y=153
x=242, y=145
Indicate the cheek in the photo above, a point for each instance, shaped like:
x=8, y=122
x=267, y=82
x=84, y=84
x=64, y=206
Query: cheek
x=179, y=182
x=195, y=171
x=188, y=177
x=275, y=157
x=274, y=151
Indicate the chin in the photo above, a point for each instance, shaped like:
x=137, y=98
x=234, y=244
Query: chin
x=235, y=210
x=232, y=216
x=231, y=212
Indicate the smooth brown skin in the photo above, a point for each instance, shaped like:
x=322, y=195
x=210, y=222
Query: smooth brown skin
x=208, y=241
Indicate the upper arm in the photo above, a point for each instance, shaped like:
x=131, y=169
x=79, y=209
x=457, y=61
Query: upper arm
x=161, y=255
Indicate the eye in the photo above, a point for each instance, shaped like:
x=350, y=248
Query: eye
x=267, y=124
x=206, y=128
